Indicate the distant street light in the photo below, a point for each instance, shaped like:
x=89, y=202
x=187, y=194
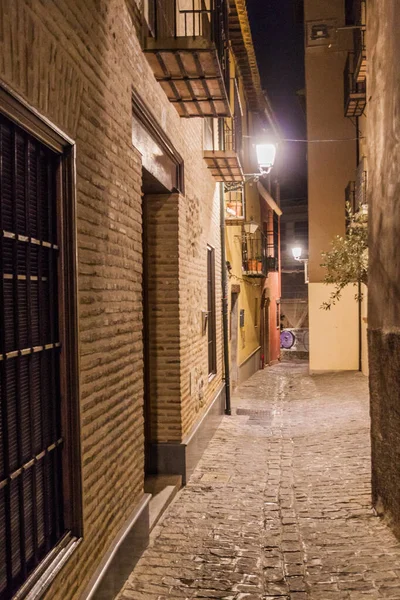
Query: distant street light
x=296, y=251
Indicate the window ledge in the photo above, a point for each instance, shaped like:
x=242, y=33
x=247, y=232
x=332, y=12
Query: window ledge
x=48, y=569
x=211, y=377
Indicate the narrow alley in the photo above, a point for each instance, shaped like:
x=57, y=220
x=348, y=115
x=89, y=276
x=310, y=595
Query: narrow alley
x=279, y=506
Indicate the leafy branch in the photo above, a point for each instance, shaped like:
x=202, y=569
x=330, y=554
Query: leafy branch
x=347, y=261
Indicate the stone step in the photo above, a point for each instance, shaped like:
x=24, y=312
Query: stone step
x=163, y=489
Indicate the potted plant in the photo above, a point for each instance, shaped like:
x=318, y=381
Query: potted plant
x=252, y=264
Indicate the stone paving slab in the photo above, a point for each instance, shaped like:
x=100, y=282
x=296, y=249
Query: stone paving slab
x=279, y=506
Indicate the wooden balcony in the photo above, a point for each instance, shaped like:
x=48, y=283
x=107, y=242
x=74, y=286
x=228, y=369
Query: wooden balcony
x=355, y=95
x=187, y=50
x=224, y=163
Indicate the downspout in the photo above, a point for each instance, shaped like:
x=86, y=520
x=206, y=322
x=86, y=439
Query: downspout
x=224, y=281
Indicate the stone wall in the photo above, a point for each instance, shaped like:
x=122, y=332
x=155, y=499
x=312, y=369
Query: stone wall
x=76, y=63
x=383, y=138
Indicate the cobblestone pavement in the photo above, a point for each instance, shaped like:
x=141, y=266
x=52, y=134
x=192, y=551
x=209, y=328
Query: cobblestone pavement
x=279, y=506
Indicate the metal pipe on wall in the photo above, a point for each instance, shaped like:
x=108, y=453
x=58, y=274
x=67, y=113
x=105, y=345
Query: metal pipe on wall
x=224, y=283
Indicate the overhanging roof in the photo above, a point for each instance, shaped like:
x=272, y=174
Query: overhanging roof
x=242, y=46
x=243, y=49
x=268, y=198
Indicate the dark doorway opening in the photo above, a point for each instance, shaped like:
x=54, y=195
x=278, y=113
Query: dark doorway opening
x=234, y=339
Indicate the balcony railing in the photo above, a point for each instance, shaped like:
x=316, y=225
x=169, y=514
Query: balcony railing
x=350, y=195
x=254, y=254
x=187, y=48
x=356, y=193
x=361, y=186
x=221, y=154
x=355, y=97
x=360, y=55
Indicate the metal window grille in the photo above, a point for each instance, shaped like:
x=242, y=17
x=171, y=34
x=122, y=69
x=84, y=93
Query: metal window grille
x=271, y=229
x=212, y=340
x=238, y=128
x=31, y=516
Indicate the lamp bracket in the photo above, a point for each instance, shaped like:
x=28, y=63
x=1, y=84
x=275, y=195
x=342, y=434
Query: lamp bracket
x=234, y=186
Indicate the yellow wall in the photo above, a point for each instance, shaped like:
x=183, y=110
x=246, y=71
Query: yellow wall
x=248, y=336
x=333, y=333
x=250, y=288
x=364, y=331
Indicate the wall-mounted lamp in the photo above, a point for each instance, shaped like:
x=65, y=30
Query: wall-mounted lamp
x=266, y=153
x=296, y=251
x=250, y=227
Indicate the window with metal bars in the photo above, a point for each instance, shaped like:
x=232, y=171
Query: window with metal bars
x=31, y=436
x=212, y=340
x=271, y=229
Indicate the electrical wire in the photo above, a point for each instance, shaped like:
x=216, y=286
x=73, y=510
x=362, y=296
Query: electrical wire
x=321, y=141
x=355, y=139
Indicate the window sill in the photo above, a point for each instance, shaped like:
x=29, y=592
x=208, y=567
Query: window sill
x=211, y=377
x=40, y=580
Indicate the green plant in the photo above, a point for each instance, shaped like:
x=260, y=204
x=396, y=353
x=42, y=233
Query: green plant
x=347, y=261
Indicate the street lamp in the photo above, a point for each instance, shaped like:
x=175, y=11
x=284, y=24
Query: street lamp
x=266, y=153
x=265, y=157
x=296, y=251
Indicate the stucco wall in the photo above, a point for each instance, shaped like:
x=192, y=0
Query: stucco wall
x=331, y=166
x=333, y=333
x=383, y=127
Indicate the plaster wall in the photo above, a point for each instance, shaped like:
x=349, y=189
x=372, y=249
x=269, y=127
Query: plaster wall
x=333, y=333
x=249, y=298
x=330, y=164
x=364, y=331
x=274, y=294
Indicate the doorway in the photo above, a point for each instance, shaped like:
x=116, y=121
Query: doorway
x=264, y=326
x=152, y=193
x=234, y=317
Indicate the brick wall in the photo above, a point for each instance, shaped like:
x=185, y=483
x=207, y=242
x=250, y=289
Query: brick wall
x=161, y=214
x=76, y=63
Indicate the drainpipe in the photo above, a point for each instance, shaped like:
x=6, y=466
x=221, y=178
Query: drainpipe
x=224, y=282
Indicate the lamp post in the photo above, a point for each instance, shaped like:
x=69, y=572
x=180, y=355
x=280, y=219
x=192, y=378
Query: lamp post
x=296, y=251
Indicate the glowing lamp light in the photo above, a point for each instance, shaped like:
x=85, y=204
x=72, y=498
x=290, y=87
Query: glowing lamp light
x=266, y=156
x=296, y=253
x=250, y=227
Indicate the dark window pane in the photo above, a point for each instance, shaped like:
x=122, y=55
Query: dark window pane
x=31, y=501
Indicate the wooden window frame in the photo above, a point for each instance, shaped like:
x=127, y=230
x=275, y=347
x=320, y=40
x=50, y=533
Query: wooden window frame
x=27, y=118
x=146, y=118
x=211, y=320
